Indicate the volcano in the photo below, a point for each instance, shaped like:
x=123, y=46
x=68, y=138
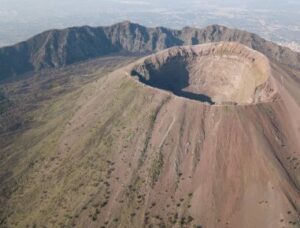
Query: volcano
x=192, y=135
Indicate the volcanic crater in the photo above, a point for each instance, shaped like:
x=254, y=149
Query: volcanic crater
x=216, y=73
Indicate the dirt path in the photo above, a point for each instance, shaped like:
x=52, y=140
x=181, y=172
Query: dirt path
x=167, y=132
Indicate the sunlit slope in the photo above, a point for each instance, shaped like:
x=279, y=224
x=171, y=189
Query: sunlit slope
x=119, y=153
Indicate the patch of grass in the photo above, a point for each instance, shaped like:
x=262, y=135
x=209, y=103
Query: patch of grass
x=156, y=167
x=94, y=217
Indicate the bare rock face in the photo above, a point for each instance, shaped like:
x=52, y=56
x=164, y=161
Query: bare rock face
x=217, y=73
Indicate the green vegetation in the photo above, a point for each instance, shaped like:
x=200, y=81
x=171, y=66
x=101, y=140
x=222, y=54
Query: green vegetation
x=155, y=170
x=68, y=178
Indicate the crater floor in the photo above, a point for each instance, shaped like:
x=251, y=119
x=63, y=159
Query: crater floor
x=216, y=73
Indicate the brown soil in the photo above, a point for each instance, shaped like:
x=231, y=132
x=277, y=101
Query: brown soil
x=119, y=153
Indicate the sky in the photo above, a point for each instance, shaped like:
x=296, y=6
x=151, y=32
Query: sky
x=21, y=19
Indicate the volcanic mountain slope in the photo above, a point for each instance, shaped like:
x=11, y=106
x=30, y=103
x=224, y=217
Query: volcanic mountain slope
x=56, y=48
x=201, y=136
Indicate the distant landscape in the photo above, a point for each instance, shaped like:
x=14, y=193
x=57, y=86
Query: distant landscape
x=274, y=20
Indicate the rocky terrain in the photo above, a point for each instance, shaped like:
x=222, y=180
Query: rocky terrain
x=191, y=136
x=56, y=48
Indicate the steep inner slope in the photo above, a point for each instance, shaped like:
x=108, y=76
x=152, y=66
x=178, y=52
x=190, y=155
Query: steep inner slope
x=117, y=153
x=217, y=73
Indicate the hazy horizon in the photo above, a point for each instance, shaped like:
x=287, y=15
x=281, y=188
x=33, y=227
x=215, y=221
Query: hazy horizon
x=274, y=20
